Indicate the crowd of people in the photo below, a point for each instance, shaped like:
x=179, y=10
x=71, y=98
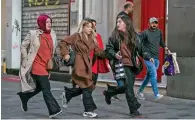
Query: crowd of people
x=122, y=56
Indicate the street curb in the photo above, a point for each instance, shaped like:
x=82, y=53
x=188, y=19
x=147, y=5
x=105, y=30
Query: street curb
x=60, y=77
x=55, y=76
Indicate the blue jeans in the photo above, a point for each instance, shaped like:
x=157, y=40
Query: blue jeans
x=151, y=75
x=120, y=83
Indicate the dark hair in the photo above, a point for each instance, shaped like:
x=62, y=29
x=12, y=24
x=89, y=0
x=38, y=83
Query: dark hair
x=127, y=5
x=129, y=37
x=92, y=20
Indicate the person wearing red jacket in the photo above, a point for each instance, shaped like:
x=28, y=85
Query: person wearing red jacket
x=99, y=65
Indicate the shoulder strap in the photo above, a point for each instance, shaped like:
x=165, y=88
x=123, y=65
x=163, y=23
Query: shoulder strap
x=48, y=45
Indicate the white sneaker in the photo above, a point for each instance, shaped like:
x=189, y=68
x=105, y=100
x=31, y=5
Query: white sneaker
x=63, y=98
x=90, y=114
x=54, y=115
x=140, y=95
x=158, y=97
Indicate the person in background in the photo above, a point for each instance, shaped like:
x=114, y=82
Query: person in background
x=120, y=47
x=128, y=8
x=84, y=41
x=99, y=65
x=152, y=40
x=36, y=50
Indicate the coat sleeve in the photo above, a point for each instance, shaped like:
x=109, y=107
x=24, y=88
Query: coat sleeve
x=64, y=44
x=100, y=52
x=143, y=37
x=25, y=46
x=162, y=43
x=110, y=50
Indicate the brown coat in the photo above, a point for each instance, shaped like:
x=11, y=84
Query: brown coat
x=29, y=48
x=82, y=71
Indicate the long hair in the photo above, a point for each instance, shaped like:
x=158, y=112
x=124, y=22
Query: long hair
x=83, y=23
x=129, y=36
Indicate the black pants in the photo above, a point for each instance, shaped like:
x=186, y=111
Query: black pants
x=130, y=96
x=88, y=101
x=94, y=78
x=43, y=85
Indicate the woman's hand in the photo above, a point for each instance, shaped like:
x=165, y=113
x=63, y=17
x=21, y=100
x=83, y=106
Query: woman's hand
x=152, y=60
x=66, y=58
x=118, y=56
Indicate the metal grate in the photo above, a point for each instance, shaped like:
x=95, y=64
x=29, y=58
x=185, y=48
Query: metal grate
x=58, y=10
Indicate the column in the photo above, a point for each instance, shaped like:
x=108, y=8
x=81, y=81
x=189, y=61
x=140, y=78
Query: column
x=13, y=33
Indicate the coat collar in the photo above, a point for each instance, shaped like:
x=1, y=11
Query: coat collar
x=39, y=31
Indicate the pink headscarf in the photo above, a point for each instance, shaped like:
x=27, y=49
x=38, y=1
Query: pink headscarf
x=41, y=21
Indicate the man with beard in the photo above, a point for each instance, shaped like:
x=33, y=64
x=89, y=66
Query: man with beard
x=151, y=40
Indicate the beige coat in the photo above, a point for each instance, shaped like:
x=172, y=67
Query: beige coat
x=29, y=48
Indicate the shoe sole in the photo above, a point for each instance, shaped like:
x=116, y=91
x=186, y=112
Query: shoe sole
x=137, y=96
x=89, y=116
x=159, y=98
x=139, y=116
x=141, y=98
x=21, y=105
x=52, y=116
x=64, y=102
x=22, y=108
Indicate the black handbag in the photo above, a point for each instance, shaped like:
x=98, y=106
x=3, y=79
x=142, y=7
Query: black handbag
x=72, y=58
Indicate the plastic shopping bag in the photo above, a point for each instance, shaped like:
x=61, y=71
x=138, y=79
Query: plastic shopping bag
x=169, y=69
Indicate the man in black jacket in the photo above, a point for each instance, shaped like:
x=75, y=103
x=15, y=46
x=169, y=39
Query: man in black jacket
x=128, y=8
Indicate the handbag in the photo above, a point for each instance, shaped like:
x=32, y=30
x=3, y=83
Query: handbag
x=52, y=61
x=72, y=54
x=169, y=66
x=72, y=57
x=119, y=69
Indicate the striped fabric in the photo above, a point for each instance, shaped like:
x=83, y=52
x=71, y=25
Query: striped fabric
x=119, y=71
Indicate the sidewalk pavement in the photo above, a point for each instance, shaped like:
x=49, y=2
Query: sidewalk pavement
x=168, y=107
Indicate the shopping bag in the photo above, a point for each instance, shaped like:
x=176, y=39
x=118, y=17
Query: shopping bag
x=169, y=69
x=176, y=66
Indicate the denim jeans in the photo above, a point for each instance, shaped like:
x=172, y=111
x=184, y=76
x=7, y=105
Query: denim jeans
x=120, y=83
x=151, y=75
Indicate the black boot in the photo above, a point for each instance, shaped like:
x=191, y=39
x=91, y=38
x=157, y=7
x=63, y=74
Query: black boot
x=24, y=101
x=135, y=114
x=112, y=91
